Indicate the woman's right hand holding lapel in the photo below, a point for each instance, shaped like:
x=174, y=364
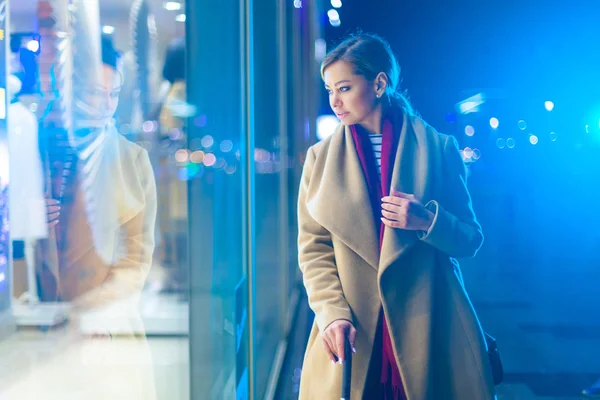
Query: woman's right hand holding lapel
x=334, y=337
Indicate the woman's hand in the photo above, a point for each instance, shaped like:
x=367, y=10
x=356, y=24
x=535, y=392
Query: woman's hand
x=404, y=211
x=52, y=212
x=334, y=338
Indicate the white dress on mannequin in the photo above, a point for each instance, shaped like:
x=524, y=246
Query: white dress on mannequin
x=27, y=207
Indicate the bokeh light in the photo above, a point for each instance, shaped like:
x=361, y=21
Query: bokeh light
x=210, y=160
x=494, y=123
x=182, y=156
x=207, y=141
x=533, y=139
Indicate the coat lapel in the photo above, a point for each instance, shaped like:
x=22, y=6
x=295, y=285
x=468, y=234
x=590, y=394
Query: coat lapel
x=339, y=201
x=409, y=175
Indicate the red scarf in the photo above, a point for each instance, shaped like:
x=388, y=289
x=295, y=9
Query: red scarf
x=379, y=188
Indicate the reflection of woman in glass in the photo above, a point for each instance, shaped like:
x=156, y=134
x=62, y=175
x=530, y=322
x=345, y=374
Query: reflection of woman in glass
x=383, y=210
x=103, y=216
x=105, y=219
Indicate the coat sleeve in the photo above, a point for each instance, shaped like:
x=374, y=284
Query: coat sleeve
x=317, y=261
x=128, y=275
x=455, y=230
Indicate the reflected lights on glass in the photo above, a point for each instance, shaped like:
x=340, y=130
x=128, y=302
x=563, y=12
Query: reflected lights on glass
x=320, y=49
x=549, y=105
x=494, y=123
x=220, y=163
x=207, y=141
x=210, y=160
x=226, y=146
x=336, y=3
x=261, y=155
x=197, y=157
x=533, y=139
x=33, y=46
x=182, y=156
x=468, y=152
x=469, y=130
x=334, y=18
x=326, y=125
x=180, y=18
x=172, y=6
x=107, y=29
x=149, y=126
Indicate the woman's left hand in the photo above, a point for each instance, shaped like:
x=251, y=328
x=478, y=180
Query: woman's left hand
x=404, y=211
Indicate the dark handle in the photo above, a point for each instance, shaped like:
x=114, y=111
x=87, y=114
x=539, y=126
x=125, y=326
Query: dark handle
x=346, y=372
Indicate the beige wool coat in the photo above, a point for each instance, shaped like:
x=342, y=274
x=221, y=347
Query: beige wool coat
x=437, y=339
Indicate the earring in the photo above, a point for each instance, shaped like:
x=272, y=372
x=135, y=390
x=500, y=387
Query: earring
x=378, y=95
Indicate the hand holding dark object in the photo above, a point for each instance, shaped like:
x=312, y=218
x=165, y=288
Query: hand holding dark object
x=347, y=373
x=404, y=211
x=52, y=212
x=334, y=338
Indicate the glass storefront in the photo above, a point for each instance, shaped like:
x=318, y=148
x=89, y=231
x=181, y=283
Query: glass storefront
x=243, y=274
x=150, y=153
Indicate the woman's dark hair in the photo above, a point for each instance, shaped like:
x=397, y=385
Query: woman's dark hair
x=370, y=55
x=174, y=67
x=110, y=56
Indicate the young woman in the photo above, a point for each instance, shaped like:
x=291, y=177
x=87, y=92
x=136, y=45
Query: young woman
x=383, y=212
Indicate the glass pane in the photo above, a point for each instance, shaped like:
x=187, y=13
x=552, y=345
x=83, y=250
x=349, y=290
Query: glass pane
x=218, y=216
x=5, y=245
x=271, y=288
x=100, y=223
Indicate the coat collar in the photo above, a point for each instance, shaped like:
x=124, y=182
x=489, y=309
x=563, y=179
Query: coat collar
x=339, y=199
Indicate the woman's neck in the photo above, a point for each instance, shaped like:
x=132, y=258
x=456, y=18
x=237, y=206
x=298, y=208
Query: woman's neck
x=373, y=122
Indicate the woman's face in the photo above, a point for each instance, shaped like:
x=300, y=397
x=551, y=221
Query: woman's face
x=351, y=97
x=103, y=97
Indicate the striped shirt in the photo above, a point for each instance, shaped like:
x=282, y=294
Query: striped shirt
x=376, y=142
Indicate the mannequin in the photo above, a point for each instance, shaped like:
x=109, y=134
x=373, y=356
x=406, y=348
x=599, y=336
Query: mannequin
x=26, y=196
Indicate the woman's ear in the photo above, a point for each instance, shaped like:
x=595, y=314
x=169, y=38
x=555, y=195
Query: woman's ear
x=381, y=84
